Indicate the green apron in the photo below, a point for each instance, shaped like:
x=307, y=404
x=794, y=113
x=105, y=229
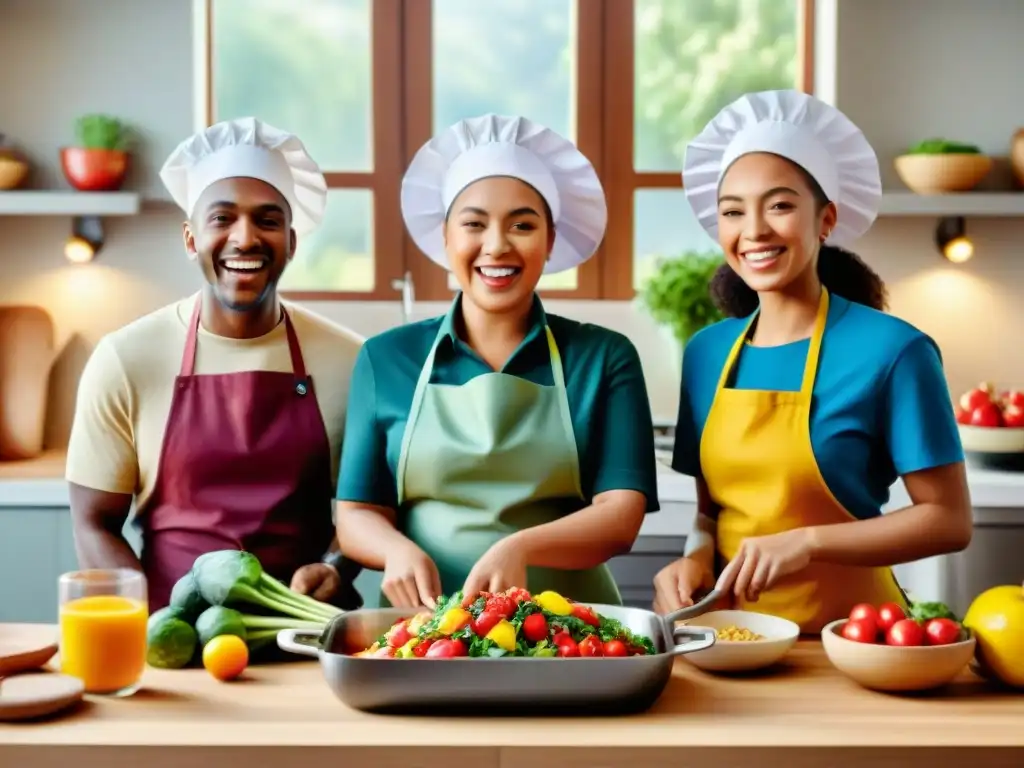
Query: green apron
x=485, y=459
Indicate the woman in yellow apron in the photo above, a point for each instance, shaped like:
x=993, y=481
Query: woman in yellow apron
x=497, y=446
x=800, y=410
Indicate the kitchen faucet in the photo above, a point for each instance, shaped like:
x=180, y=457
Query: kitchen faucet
x=405, y=285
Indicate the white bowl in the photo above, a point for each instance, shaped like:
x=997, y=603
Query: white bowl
x=992, y=439
x=744, y=655
x=895, y=668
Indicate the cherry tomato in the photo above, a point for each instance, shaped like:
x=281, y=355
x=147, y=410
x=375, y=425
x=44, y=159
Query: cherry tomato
x=1013, y=417
x=889, y=614
x=485, y=622
x=591, y=646
x=860, y=630
x=864, y=611
x=615, y=648
x=560, y=636
x=384, y=652
x=420, y=649
x=941, y=632
x=905, y=632
x=535, y=627
x=399, y=635
x=1014, y=397
x=583, y=613
x=501, y=605
x=987, y=415
x=568, y=648
x=446, y=648
x=975, y=398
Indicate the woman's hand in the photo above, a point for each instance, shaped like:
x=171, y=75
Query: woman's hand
x=410, y=578
x=676, y=584
x=763, y=560
x=502, y=567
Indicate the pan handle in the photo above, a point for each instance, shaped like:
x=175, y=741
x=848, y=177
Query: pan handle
x=702, y=606
x=693, y=639
x=304, y=642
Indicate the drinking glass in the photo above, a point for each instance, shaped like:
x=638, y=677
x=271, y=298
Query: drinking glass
x=103, y=615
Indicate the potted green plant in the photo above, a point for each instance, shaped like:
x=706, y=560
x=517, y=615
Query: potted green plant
x=677, y=296
x=99, y=160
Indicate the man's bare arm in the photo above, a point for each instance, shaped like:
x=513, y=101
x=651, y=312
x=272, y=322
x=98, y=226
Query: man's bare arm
x=98, y=518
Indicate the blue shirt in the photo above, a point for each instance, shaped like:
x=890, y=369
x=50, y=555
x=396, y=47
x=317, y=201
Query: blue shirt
x=608, y=404
x=880, y=407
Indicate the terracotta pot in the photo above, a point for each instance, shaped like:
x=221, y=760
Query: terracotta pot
x=1017, y=156
x=94, y=170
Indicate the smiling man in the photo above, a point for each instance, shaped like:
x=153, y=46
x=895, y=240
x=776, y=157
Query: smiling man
x=220, y=416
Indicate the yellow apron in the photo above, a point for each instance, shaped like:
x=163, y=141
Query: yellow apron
x=758, y=462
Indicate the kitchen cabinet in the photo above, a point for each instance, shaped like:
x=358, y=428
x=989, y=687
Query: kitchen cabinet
x=993, y=558
x=36, y=546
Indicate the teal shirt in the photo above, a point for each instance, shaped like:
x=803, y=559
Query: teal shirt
x=611, y=414
x=880, y=408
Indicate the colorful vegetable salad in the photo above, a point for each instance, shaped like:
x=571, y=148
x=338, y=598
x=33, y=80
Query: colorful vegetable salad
x=510, y=623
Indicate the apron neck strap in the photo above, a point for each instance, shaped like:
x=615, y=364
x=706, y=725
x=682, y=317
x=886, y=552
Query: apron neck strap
x=188, y=358
x=813, y=351
x=814, y=348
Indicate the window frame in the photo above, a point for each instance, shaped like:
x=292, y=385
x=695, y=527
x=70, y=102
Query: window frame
x=402, y=121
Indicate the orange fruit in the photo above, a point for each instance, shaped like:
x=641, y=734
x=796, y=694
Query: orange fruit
x=226, y=657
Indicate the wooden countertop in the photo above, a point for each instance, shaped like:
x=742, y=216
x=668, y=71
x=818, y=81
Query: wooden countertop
x=802, y=714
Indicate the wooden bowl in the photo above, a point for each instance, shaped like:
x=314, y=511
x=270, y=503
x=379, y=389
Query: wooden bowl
x=744, y=655
x=13, y=172
x=937, y=174
x=896, y=668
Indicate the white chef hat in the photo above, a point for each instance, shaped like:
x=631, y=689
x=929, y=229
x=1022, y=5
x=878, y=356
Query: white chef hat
x=801, y=128
x=494, y=145
x=251, y=148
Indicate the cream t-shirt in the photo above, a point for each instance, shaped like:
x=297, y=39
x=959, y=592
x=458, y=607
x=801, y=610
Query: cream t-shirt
x=124, y=394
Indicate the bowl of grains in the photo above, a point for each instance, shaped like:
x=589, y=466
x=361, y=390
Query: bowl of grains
x=747, y=641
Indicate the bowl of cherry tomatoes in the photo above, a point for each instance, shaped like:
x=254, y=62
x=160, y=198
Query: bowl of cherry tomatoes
x=885, y=648
x=991, y=425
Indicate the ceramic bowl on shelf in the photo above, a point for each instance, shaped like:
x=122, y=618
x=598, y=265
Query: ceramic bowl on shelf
x=896, y=669
x=942, y=173
x=995, y=448
x=777, y=638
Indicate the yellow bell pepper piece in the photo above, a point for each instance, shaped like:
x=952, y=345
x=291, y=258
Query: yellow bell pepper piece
x=453, y=620
x=417, y=621
x=503, y=634
x=552, y=602
x=405, y=652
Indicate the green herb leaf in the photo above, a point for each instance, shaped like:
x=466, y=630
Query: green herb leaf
x=926, y=611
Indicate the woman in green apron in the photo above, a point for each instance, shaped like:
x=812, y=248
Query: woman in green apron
x=497, y=446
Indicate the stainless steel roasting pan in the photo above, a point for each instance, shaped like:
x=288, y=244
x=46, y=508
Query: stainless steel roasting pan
x=508, y=685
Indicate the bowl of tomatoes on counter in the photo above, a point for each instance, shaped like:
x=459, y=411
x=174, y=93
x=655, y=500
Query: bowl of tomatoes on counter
x=887, y=648
x=991, y=426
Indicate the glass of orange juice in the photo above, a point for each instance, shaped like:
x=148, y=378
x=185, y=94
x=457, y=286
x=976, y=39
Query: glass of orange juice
x=103, y=615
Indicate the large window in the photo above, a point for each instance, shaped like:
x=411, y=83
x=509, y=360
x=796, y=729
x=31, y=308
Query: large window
x=365, y=82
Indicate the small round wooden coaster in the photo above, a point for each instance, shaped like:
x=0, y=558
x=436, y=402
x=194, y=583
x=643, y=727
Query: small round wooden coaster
x=36, y=694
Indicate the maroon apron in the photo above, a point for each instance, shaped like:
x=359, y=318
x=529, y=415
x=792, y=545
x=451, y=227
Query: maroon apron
x=245, y=464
